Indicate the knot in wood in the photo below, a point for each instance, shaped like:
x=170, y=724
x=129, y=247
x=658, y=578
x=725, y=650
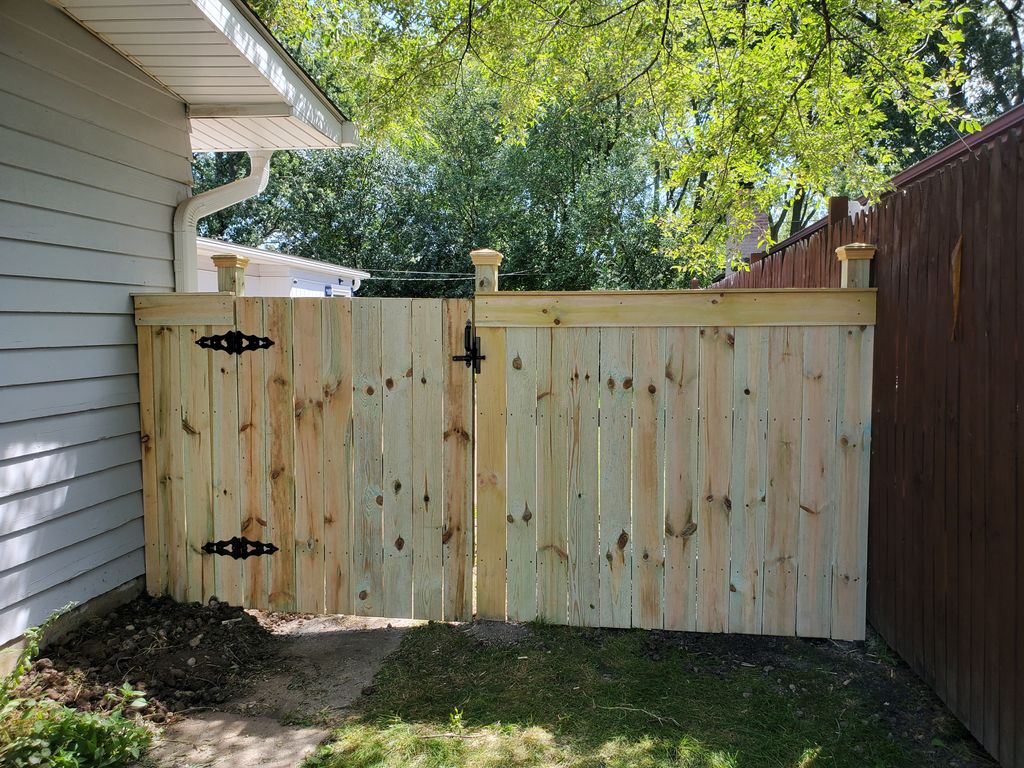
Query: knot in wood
x=397, y=485
x=369, y=390
x=509, y=518
x=363, y=594
x=380, y=501
x=651, y=388
x=627, y=383
x=517, y=363
x=399, y=543
x=389, y=383
x=622, y=540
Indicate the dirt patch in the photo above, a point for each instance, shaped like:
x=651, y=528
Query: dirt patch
x=496, y=633
x=181, y=656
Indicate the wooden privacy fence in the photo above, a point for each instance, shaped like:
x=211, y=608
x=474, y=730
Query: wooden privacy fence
x=685, y=460
x=345, y=444
x=688, y=460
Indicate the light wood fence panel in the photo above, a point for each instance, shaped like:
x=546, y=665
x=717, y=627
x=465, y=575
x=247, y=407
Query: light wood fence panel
x=346, y=444
x=694, y=477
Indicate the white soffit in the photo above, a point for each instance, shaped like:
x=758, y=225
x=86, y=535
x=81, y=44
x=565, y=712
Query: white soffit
x=242, y=89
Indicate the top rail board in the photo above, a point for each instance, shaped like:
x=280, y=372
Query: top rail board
x=733, y=308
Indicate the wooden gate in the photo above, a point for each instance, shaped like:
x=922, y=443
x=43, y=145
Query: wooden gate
x=344, y=442
x=686, y=460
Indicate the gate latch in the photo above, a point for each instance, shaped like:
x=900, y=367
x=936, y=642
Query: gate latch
x=472, y=357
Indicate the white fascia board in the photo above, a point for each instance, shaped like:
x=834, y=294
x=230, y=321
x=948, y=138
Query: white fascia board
x=208, y=247
x=274, y=63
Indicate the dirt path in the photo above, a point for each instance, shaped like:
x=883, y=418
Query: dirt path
x=322, y=666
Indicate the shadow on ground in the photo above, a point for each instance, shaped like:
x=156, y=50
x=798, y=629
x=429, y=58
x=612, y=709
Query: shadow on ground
x=495, y=695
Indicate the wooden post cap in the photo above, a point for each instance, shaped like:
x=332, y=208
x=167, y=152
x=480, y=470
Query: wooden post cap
x=855, y=251
x=486, y=257
x=229, y=261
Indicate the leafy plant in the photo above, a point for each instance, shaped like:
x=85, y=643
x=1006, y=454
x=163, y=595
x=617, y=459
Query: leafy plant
x=40, y=732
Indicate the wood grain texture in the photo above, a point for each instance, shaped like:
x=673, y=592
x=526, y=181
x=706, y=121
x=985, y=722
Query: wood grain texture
x=648, y=487
x=396, y=370
x=368, y=474
x=254, y=480
x=849, y=576
x=582, y=534
x=714, y=468
x=308, y=411
x=552, y=478
x=229, y=574
x=603, y=309
x=491, y=477
x=336, y=320
x=682, y=360
x=616, y=562
x=458, y=452
x=156, y=565
x=748, y=483
x=781, y=569
x=170, y=458
x=817, y=482
x=521, y=420
x=195, y=426
x=280, y=405
x=427, y=459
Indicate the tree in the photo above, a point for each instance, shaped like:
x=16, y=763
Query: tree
x=569, y=205
x=744, y=106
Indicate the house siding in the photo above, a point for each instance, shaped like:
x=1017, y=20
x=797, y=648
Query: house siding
x=94, y=157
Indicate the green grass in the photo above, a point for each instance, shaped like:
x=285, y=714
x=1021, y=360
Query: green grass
x=609, y=699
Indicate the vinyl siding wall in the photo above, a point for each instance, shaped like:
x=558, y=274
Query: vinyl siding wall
x=94, y=156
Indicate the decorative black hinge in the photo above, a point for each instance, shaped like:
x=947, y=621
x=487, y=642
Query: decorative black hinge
x=239, y=548
x=235, y=342
x=472, y=357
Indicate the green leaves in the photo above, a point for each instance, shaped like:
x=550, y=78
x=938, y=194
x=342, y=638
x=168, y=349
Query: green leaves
x=737, y=104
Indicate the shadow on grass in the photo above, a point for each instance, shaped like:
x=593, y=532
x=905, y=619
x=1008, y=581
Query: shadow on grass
x=590, y=698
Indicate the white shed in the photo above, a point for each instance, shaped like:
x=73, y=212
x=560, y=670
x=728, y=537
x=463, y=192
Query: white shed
x=101, y=106
x=272, y=273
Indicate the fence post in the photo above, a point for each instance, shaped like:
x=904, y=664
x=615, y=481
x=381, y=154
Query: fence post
x=486, y=262
x=231, y=273
x=856, y=264
x=489, y=437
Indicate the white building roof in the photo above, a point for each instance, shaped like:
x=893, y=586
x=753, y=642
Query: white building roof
x=207, y=247
x=242, y=89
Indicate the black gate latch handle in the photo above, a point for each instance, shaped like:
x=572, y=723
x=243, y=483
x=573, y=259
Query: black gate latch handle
x=472, y=357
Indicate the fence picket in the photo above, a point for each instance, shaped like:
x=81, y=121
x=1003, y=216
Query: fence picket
x=457, y=482
x=427, y=456
x=785, y=361
x=281, y=452
x=368, y=475
x=337, y=454
x=252, y=451
x=521, y=374
x=681, y=424
x=309, y=456
x=648, y=477
x=616, y=562
x=715, y=459
x=748, y=482
x=396, y=370
x=817, y=483
x=582, y=538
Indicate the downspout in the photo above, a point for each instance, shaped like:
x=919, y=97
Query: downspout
x=190, y=211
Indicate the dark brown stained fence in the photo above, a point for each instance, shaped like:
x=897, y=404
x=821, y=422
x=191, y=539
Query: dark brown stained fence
x=946, y=537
